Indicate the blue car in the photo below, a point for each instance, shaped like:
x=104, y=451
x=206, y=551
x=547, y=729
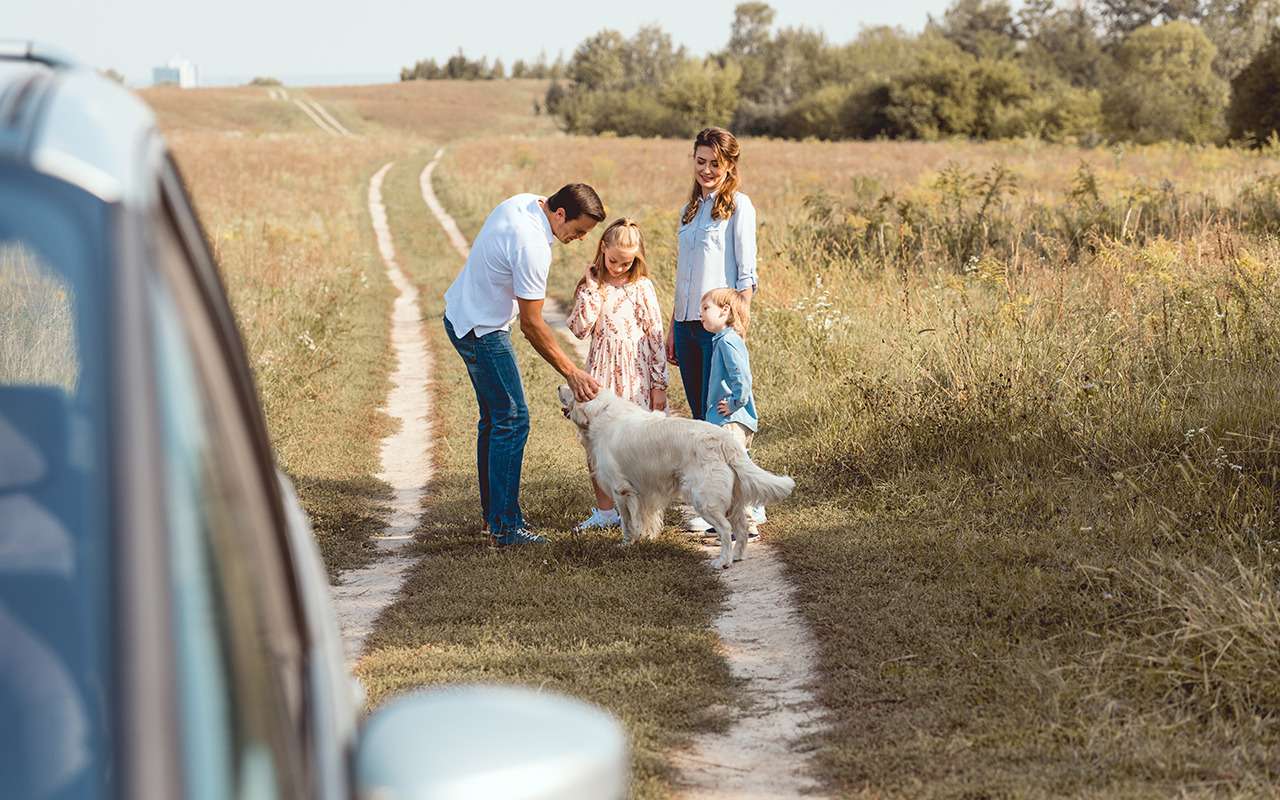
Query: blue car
x=166, y=629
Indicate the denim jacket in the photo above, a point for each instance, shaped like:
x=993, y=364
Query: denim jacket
x=731, y=379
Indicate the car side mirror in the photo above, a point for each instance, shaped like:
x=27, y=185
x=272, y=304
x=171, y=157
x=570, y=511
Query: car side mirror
x=484, y=742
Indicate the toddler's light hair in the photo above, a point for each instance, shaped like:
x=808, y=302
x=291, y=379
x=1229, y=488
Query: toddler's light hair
x=739, y=316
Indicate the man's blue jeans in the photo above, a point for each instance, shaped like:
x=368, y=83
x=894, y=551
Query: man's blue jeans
x=504, y=424
x=693, y=355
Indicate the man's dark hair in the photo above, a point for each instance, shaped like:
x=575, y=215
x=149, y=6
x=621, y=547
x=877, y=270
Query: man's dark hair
x=577, y=200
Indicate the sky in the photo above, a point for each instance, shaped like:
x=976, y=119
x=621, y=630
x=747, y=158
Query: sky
x=367, y=41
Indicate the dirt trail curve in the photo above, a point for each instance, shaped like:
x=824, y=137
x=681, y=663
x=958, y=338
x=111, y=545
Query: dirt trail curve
x=362, y=594
x=766, y=641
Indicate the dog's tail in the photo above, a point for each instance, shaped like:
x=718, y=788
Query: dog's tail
x=757, y=486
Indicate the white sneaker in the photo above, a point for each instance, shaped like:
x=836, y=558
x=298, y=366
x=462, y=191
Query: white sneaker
x=757, y=514
x=600, y=519
x=697, y=524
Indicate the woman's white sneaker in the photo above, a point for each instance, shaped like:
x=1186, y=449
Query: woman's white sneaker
x=600, y=519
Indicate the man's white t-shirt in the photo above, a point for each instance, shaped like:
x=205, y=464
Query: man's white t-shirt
x=510, y=258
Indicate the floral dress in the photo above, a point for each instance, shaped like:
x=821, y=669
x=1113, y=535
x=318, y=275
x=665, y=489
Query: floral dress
x=628, y=353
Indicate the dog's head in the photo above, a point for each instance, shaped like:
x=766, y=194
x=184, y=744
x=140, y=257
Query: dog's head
x=580, y=414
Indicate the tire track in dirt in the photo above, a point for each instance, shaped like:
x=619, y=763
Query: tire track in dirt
x=314, y=117
x=406, y=463
x=329, y=118
x=766, y=642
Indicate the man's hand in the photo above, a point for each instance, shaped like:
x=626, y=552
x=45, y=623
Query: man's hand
x=583, y=385
x=658, y=399
x=588, y=277
x=746, y=294
x=723, y=407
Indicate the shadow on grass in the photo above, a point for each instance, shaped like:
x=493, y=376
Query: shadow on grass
x=344, y=515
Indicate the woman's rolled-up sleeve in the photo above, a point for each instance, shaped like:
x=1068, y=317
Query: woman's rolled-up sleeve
x=744, y=243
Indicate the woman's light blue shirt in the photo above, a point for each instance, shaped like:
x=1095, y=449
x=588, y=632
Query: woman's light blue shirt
x=731, y=379
x=714, y=253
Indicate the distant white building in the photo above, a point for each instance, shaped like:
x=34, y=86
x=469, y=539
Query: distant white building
x=178, y=72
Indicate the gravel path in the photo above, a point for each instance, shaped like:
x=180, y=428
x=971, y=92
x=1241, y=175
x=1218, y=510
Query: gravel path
x=362, y=594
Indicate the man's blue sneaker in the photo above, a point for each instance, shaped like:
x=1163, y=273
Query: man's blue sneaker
x=515, y=537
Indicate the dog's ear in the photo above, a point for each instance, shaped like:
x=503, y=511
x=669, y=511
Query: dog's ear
x=578, y=416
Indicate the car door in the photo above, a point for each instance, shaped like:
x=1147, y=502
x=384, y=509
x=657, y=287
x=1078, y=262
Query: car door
x=239, y=636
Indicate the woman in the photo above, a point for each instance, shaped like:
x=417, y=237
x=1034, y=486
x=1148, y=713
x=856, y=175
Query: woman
x=716, y=249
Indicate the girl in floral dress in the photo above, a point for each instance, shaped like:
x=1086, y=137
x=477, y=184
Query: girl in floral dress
x=616, y=304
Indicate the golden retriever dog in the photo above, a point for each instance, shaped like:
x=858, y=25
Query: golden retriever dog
x=645, y=459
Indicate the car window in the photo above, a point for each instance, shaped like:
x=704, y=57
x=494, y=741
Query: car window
x=55, y=609
x=236, y=709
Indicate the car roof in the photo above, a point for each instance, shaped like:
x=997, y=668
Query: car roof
x=66, y=120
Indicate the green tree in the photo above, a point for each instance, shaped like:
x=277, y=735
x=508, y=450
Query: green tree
x=597, y=63
x=1165, y=86
x=821, y=113
x=702, y=93
x=1239, y=29
x=1064, y=43
x=749, y=40
x=938, y=98
x=1254, y=112
x=649, y=57
x=982, y=28
x=1120, y=18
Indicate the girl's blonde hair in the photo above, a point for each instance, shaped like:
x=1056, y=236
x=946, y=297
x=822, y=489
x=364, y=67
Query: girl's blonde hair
x=624, y=233
x=726, y=149
x=739, y=316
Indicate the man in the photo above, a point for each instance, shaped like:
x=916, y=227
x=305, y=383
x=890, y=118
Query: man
x=506, y=275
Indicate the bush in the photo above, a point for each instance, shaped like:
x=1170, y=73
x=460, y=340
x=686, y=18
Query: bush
x=1254, y=112
x=955, y=94
x=820, y=114
x=1165, y=86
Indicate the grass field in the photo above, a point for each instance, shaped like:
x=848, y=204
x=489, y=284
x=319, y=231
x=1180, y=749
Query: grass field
x=1035, y=529
x=1029, y=393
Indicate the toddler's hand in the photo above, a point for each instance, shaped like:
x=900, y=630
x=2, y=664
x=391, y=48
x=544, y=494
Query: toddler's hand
x=723, y=407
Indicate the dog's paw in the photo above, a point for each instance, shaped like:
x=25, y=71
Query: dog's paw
x=720, y=562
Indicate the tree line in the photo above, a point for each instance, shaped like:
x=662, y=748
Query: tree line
x=459, y=67
x=1196, y=71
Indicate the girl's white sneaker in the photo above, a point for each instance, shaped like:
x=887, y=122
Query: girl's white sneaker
x=696, y=524
x=600, y=519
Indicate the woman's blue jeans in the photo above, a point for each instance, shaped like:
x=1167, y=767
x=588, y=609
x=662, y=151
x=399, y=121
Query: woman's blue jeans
x=693, y=355
x=503, y=427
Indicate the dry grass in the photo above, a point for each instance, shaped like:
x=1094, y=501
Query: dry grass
x=1016, y=479
x=442, y=110
x=286, y=216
